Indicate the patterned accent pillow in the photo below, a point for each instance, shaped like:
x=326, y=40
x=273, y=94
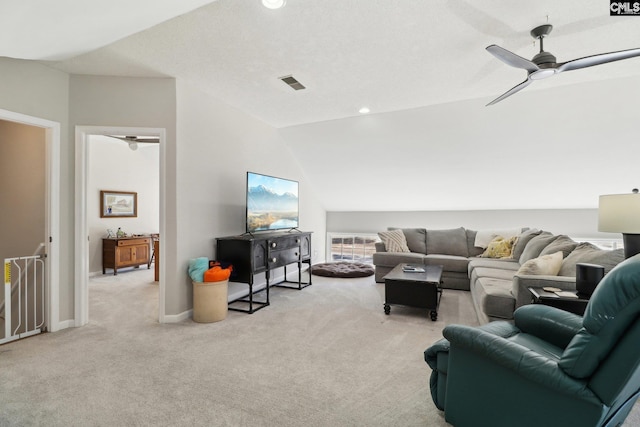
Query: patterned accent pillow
x=394, y=241
x=548, y=265
x=499, y=247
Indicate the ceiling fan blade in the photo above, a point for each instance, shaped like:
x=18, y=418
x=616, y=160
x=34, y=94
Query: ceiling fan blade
x=511, y=91
x=148, y=140
x=603, y=58
x=511, y=58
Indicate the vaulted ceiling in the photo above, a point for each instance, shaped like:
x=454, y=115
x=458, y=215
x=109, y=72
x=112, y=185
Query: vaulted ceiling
x=408, y=61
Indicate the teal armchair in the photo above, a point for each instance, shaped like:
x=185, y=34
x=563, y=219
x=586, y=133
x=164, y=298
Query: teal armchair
x=548, y=368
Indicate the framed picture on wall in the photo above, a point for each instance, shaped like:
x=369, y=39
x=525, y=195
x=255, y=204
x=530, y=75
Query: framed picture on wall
x=121, y=204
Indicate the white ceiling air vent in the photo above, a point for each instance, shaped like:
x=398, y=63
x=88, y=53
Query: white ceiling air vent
x=292, y=82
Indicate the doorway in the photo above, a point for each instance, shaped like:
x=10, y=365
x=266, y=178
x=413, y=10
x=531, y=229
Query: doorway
x=41, y=198
x=86, y=139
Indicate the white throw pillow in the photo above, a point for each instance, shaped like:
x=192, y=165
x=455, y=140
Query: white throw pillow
x=547, y=265
x=394, y=241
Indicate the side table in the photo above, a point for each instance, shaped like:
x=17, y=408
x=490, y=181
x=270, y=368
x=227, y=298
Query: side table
x=575, y=305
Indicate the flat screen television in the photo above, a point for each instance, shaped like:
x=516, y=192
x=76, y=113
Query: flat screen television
x=272, y=203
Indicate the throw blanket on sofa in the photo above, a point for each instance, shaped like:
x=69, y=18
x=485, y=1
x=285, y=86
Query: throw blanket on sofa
x=484, y=237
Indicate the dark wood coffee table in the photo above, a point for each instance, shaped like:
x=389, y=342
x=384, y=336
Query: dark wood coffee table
x=421, y=290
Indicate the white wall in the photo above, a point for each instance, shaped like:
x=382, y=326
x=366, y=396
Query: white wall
x=217, y=145
x=557, y=148
x=573, y=222
x=113, y=166
x=135, y=102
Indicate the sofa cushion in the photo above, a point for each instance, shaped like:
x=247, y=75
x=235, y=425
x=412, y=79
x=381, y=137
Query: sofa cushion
x=447, y=242
x=494, y=273
x=536, y=245
x=496, y=263
x=590, y=254
x=563, y=243
x=547, y=265
x=391, y=259
x=499, y=247
x=394, y=241
x=471, y=243
x=448, y=262
x=504, y=263
x=416, y=238
x=494, y=296
x=522, y=240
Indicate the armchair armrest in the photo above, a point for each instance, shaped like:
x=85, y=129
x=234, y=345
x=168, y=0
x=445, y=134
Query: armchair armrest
x=522, y=283
x=548, y=323
x=516, y=359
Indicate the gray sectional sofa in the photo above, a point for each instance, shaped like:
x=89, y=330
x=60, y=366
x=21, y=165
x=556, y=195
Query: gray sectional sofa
x=496, y=287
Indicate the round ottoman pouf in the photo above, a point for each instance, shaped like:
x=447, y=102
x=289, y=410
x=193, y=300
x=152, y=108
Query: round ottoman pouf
x=342, y=269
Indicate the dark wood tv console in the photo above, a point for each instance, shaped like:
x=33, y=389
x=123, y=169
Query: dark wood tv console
x=251, y=254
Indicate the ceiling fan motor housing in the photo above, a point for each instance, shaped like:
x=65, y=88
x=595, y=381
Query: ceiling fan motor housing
x=543, y=58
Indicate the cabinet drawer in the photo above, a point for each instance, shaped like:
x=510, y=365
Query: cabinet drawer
x=134, y=242
x=284, y=243
x=284, y=257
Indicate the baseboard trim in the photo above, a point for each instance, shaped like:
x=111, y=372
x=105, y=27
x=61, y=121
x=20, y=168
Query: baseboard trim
x=64, y=324
x=175, y=318
x=277, y=278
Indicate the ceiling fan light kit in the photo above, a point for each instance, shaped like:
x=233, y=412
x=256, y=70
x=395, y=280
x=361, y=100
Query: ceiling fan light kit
x=133, y=141
x=544, y=64
x=274, y=4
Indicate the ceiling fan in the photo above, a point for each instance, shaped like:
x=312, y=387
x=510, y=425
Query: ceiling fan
x=134, y=140
x=544, y=64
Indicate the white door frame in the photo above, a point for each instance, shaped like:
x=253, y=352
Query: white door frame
x=52, y=206
x=82, y=235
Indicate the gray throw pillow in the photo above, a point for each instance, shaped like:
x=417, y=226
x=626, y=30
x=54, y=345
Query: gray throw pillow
x=590, y=254
x=563, y=243
x=447, y=242
x=524, y=238
x=416, y=238
x=471, y=240
x=536, y=245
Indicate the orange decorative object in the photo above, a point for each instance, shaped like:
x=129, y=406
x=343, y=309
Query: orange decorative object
x=217, y=274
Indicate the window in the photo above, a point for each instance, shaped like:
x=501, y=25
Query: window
x=353, y=247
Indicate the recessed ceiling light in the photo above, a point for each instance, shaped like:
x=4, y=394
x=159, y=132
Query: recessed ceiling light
x=273, y=4
x=364, y=110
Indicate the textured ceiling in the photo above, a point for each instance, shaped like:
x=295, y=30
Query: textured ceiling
x=56, y=30
x=419, y=65
x=388, y=55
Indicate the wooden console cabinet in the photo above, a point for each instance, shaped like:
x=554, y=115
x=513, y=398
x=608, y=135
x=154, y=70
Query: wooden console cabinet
x=125, y=252
x=263, y=252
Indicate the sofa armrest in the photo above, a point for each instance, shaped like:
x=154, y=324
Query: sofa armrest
x=522, y=283
x=380, y=247
x=548, y=323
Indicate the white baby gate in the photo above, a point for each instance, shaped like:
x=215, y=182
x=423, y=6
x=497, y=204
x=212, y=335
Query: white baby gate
x=23, y=308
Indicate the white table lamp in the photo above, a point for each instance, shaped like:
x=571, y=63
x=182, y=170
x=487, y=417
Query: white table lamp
x=620, y=213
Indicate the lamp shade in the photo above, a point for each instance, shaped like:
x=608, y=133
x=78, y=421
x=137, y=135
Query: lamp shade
x=619, y=213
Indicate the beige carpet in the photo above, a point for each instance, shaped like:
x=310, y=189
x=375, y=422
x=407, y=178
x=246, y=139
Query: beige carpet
x=323, y=356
